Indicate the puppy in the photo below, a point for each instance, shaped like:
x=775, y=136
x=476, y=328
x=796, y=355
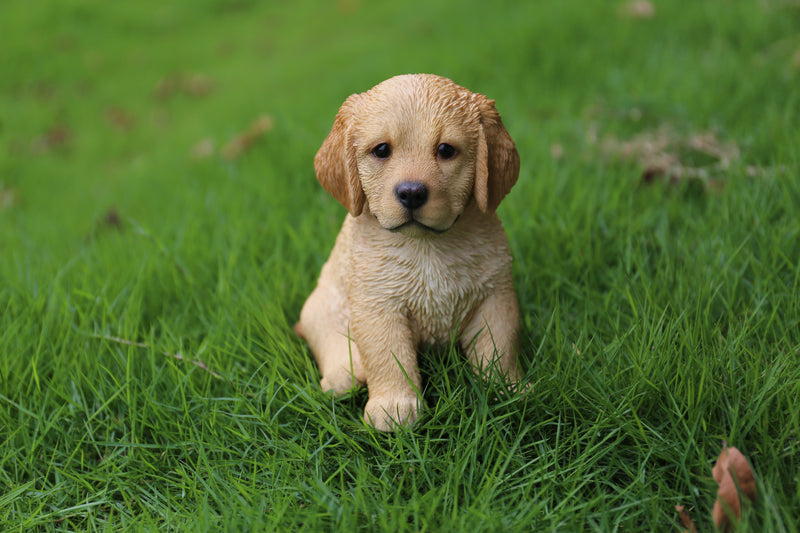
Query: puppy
x=421, y=165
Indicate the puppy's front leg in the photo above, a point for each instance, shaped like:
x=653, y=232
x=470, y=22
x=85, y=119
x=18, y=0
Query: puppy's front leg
x=490, y=337
x=389, y=354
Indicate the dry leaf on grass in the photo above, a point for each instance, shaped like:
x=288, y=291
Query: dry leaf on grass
x=662, y=152
x=243, y=141
x=119, y=119
x=110, y=220
x=204, y=148
x=638, y=9
x=195, y=85
x=8, y=198
x=685, y=519
x=58, y=137
x=734, y=477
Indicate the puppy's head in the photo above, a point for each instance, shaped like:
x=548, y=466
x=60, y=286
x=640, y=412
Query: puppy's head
x=414, y=151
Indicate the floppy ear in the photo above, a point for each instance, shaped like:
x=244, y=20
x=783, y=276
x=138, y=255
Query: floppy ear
x=335, y=162
x=497, y=162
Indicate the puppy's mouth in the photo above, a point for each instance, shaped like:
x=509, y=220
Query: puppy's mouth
x=413, y=223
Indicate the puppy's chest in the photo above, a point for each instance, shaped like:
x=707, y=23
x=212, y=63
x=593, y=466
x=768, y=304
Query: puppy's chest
x=436, y=291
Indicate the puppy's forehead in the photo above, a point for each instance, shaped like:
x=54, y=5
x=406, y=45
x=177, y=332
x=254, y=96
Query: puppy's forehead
x=413, y=98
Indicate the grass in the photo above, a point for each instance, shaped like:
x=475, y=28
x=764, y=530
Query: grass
x=149, y=377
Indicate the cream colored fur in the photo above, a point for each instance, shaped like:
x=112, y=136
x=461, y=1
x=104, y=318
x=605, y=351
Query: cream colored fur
x=401, y=277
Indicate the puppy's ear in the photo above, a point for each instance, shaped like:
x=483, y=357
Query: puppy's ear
x=497, y=163
x=335, y=162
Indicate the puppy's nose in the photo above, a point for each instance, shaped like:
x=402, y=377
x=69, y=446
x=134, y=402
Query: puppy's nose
x=411, y=194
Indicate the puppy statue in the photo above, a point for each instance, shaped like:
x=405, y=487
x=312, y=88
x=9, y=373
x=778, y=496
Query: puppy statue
x=421, y=165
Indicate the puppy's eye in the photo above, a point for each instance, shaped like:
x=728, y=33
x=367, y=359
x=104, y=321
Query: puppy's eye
x=382, y=151
x=446, y=151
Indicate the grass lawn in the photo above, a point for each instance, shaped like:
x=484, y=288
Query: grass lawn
x=161, y=226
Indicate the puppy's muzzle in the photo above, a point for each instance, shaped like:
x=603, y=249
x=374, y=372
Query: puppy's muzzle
x=411, y=194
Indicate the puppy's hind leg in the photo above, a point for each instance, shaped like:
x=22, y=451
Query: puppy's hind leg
x=490, y=337
x=325, y=327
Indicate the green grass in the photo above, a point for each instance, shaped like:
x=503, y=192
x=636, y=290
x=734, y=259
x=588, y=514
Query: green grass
x=659, y=319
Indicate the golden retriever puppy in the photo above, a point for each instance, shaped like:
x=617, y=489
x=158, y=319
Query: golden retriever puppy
x=421, y=165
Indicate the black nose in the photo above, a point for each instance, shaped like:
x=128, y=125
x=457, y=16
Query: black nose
x=411, y=194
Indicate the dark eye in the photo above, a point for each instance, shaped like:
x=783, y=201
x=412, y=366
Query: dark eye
x=382, y=151
x=446, y=151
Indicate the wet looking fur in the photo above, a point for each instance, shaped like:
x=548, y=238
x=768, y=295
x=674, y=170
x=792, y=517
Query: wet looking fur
x=421, y=165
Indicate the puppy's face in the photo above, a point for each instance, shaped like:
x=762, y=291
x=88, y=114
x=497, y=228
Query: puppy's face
x=414, y=150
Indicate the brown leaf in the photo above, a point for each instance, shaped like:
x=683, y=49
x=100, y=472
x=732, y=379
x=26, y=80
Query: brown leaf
x=112, y=219
x=8, y=198
x=203, y=149
x=243, y=141
x=167, y=87
x=638, y=9
x=119, y=119
x=56, y=138
x=734, y=476
x=109, y=221
x=196, y=85
x=664, y=153
x=686, y=519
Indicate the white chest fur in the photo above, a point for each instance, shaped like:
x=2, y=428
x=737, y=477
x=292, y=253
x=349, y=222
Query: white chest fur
x=435, y=283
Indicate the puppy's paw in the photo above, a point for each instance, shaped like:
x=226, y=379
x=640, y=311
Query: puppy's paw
x=389, y=413
x=339, y=382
